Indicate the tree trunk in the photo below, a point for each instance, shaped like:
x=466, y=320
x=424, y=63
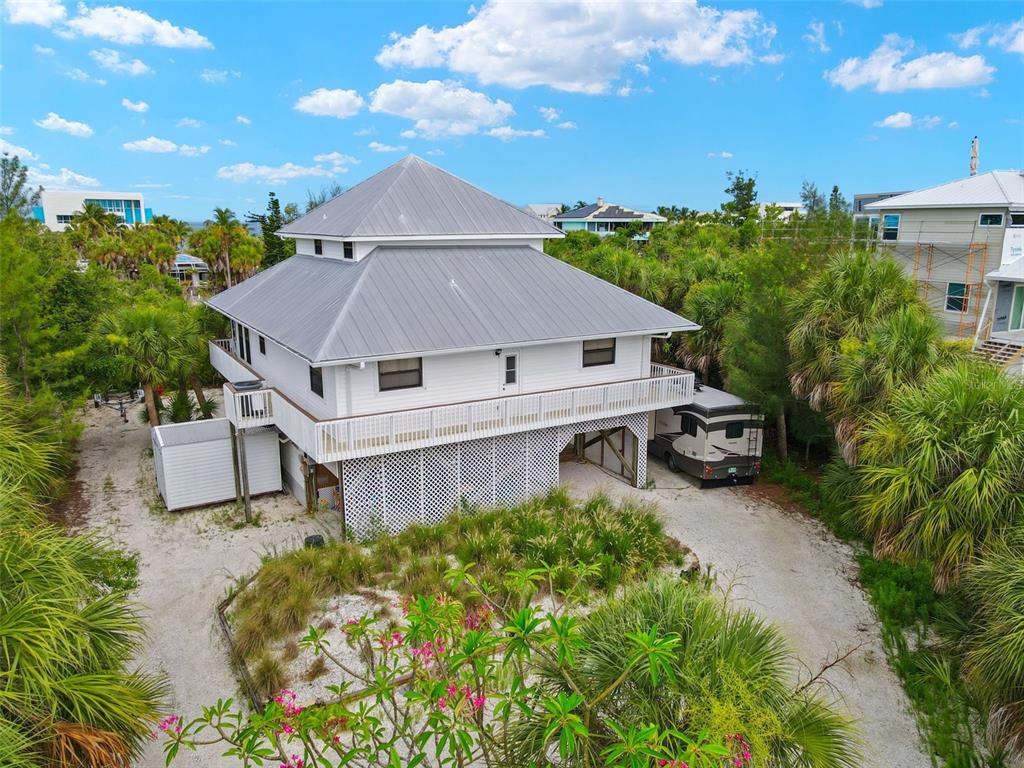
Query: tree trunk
x=226, y=257
x=197, y=388
x=154, y=416
x=781, y=437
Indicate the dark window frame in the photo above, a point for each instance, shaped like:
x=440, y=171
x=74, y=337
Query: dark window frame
x=888, y=230
x=731, y=426
x=263, y=345
x=982, y=216
x=348, y=251
x=599, y=355
x=958, y=303
x=688, y=424
x=246, y=346
x=511, y=369
x=318, y=247
x=389, y=381
x=316, y=381
x=1016, y=220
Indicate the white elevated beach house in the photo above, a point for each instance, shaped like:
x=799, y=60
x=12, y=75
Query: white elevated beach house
x=421, y=352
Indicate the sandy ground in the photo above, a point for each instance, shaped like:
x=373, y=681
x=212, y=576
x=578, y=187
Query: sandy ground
x=790, y=569
x=784, y=565
x=187, y=561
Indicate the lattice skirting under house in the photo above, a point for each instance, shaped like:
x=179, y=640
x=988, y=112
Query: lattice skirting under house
x=423, y=486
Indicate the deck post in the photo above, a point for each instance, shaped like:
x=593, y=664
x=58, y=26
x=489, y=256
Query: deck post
x=244, y=472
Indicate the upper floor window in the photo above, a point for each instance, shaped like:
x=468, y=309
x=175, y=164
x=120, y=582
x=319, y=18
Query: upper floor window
x=1017, y=219
x=957, y=297
x=990, y=220
x=400, y=374
x=598, y=352
x=347, y=252
x=263, y=346
x=318, y=247
x=316, y=380
x=890, y=226
x=65, y=218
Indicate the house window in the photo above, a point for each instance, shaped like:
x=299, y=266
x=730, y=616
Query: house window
x=688, y=425
x=347, y=252
x=598, y=352
x=957, y=297
x=318, y=247
x=263, y=346
x=65, y=218
x=1017, y=219
x=246, y=349
x=400, y=374
x=733, y=430
x=510, y=368
x=890, y=226
x=316, y=380
x=990, y=220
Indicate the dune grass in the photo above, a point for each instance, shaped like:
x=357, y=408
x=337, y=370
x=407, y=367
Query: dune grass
x=620, y=542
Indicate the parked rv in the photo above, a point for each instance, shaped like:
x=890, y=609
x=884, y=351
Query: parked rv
x=718, y=436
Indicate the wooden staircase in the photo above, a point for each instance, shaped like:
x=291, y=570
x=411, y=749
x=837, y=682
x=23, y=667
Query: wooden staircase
x=1003, y=352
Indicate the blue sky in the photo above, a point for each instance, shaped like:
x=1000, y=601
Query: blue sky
x=216, y=103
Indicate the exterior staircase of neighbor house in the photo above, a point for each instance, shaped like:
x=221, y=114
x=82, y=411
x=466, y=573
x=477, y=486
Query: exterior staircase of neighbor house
x=1005, y=353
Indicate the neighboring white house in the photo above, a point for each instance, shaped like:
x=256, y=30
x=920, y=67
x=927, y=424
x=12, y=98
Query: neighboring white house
x=786, y=209
x=603, y=219
x=963, y=242
x=546, y=211
x=56, y=208
x=421, y=351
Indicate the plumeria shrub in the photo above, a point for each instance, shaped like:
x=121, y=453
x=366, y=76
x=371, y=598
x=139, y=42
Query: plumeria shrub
x=519, y=685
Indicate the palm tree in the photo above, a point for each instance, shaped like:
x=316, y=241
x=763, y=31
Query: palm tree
x=148, y=244
x=175, y=229
x=94, y=221
x=226, y=230
x=710, y=304
x=729, y=672
x=844, y=302
x=145, y=342
x=994, y=663
x=247, y=255
x=942, y=468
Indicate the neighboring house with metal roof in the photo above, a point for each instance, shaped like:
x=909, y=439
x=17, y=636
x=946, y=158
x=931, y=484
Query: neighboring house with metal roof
x=421, y=351
x=604, y=219
x=546, y=211
x=963, y=242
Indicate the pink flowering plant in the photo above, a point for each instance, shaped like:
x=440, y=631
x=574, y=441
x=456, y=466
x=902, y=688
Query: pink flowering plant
x=496, y=684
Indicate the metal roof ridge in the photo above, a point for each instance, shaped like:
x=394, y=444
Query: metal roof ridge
x=368, y=261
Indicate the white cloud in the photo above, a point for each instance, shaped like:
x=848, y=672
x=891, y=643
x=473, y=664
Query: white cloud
x=135, y=106
x=815, y=36
x=336, y=160
x=376, y=146
x=126, y=26
x=64, y=179
x=218, y=75
x=567, y=125
x=267, y=174
x=6, y=130
x=14, y=149
x=363, y=132
x=550, y=114
x=54, y=122
x=866, y=3
x=187, y=150
x=508, y=133
x=242, y=119
x=929, y=121
x=1006, y=37
x=84, y=77
x=110, y=59
x=887, y=71
x=642, y=68
x=772, y=58
x=151, y=144
x=42, y=50
x=625, y=90
x=440, y=108
x=896, y=120
x=44, y=13
x=149, y=186
x=330, y=102
x=953, y=124
x=188, y=122
x=435, y=152
x=969, y=38
x=722, y=155
x=227, y=142
x=579, y=46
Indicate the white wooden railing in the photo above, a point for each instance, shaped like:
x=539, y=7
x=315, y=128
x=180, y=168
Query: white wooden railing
x=357, y=436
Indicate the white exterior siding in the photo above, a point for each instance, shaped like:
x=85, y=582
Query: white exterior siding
x=333, y=249
x=480, y=375
x=952, y=226
x=288, y=372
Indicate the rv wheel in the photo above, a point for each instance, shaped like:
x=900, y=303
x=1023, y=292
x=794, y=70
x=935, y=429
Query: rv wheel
x=671, y=461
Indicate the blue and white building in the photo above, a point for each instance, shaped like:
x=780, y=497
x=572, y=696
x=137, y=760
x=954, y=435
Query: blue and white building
x=56, y=208
x=604, y=219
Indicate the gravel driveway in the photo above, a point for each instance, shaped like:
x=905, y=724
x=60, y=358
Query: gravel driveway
x=790, y=569
x=784, y=565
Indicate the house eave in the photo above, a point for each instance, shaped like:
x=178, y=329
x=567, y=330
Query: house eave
x=420, y=238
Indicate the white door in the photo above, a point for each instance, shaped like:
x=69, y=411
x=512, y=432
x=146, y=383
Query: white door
x=510, y=372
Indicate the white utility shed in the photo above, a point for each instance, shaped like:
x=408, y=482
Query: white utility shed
x=194, y=462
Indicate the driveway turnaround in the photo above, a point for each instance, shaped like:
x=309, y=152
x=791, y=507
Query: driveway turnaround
x=790, y=569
